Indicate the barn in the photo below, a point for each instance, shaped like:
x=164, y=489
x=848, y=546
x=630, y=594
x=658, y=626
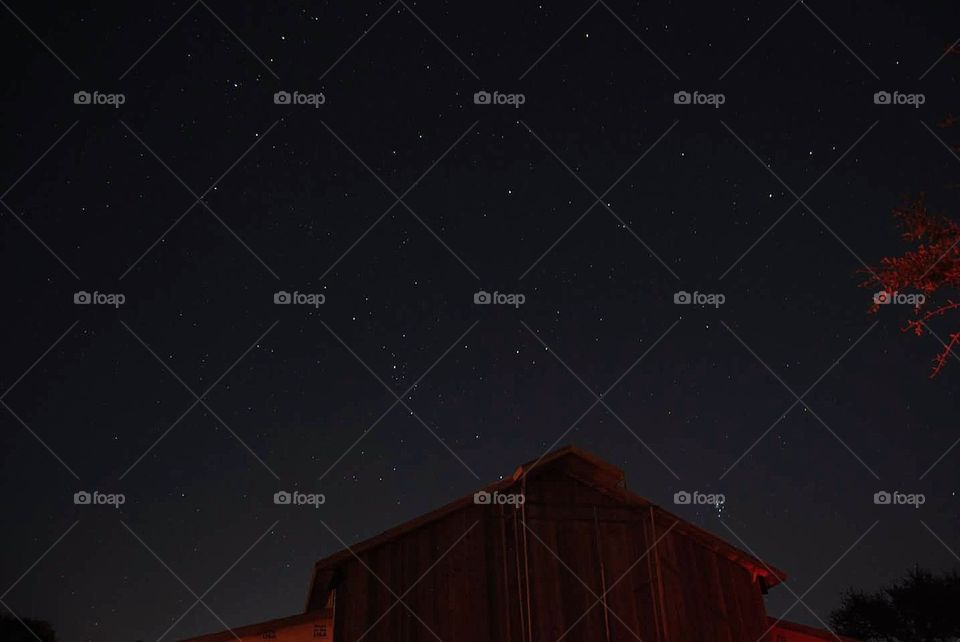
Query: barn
x=559, y=550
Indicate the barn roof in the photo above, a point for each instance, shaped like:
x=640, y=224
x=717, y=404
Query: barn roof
x=587, y=468
x=262, y=628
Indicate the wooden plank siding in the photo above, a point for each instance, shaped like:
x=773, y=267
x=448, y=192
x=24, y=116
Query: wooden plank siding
x=539, y=572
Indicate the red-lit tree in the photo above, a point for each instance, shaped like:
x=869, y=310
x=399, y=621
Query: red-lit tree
x=931, y=267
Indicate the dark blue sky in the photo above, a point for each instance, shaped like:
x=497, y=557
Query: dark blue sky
x=296, y=198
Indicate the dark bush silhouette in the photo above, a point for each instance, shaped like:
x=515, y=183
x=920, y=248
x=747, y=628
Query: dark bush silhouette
x=921, y=607
x=12, y=630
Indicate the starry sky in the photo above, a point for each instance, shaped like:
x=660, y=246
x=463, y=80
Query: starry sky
x=397, y=199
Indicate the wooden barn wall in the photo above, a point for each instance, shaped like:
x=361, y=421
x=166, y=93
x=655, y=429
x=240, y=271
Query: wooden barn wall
x=478, y=591
x=706, y=595
x=453, y=598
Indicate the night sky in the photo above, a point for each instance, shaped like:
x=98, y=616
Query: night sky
x=398, y=199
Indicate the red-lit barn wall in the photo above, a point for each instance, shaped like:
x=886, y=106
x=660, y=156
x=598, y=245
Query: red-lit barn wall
x=478, y=591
